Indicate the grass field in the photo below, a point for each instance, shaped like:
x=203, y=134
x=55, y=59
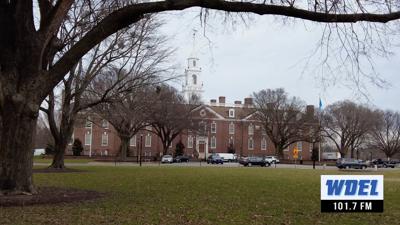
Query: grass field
x=188, y=195
x=40, y=159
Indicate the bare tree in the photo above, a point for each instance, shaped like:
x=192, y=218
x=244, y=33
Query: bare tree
x=170, y=115
x=385, y=135
x=127, y=113
x=28, y=74
x=346, y=125
x=137, y=50
x=283, y=119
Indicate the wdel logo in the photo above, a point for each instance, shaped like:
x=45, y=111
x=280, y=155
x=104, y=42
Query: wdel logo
x=351, y=193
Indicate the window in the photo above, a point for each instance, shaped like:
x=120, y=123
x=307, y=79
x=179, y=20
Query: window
x=263, y=131
x=190, y=141
x=194, y=77
x=251, y=143
x=88, y=122
x=147, y=142
x=251, y=129
x=231, y=128
x=71, y=140
x=231, y=113
x=310, y=146
x=88, y=138
x=194, y=63
x=104, y=124
x=104, y=139
x=132, y=142
x=213, y=142
x=263, y=143
x=231, y=141
x=300, y=146
x=213, y=127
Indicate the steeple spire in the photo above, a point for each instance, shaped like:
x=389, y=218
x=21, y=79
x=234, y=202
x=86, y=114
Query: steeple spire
x=194, y=50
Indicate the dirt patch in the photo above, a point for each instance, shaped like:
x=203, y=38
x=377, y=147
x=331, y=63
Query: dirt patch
x=50, y=195
x=52, y=170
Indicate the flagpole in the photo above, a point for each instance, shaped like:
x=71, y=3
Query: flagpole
x=319, y=130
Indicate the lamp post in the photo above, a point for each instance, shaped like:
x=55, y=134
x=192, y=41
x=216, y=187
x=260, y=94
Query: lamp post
x=91, y=139
x=140, y=150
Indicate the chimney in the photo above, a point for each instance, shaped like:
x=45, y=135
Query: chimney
x=221, y=100
x=248, y=101
x=213, y=102
x=238, y=103
x=310, y=110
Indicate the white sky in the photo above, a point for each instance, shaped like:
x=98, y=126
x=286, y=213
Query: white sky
x=267, y=54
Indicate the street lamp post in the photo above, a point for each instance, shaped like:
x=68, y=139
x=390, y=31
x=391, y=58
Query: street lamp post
x=91, y=140
x=140, y=149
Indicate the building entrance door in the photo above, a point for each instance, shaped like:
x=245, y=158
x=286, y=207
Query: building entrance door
x=202, y=147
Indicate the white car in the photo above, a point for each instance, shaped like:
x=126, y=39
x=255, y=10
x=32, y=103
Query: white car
x=271, y=159
x=167, y=159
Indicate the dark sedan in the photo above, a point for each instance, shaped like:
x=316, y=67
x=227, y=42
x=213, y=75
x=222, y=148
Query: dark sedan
x=351, y=164
x=215, y=159
x=181, y=158
x=254, y=161
x=384, y=163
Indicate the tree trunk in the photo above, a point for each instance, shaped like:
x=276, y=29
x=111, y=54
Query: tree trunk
x=58, y=159
x=60, y=145
x=17, y=126
x=124, y=147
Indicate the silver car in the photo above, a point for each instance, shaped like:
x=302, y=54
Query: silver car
x=271, y=159
x=167, y=159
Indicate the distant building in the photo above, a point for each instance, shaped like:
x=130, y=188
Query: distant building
x=222, y=125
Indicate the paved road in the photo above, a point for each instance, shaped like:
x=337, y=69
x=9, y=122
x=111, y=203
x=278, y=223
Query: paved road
x=202, y=164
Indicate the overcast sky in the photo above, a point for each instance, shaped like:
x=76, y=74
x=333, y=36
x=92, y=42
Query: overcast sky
x=267, y=54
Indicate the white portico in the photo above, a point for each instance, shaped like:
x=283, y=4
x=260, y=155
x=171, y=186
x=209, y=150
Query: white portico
x=202, y=146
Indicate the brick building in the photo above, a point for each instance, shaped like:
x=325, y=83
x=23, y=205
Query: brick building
x=224, y=125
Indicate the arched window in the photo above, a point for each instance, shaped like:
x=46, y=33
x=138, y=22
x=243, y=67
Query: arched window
x=194, y=79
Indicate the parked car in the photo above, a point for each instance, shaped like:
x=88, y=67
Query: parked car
x=351, y=163
x=384, y=163
x=271, y=159
x=181, y=158
x=215, y=159
x=167, y=159
x=250, y=161
x=227, y=157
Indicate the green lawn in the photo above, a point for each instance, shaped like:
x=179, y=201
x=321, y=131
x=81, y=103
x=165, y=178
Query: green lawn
x=180, y=195
x=40, y=159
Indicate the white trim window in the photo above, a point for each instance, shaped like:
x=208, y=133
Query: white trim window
x=263, y=131
x=231, y=128
x=251, y=129
x=310, y=146
x=88, y=122
x=213, y=142
x=104, y=124
x=250, y=143
x=190, y=141
x=213, y=127
x=231, y=141
x=88, y=138
x=147, y=142
x=300, y=146
x=263, y=143
x=104, y=139
x=71, y=140
x=132, y=141
x=231, y=113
